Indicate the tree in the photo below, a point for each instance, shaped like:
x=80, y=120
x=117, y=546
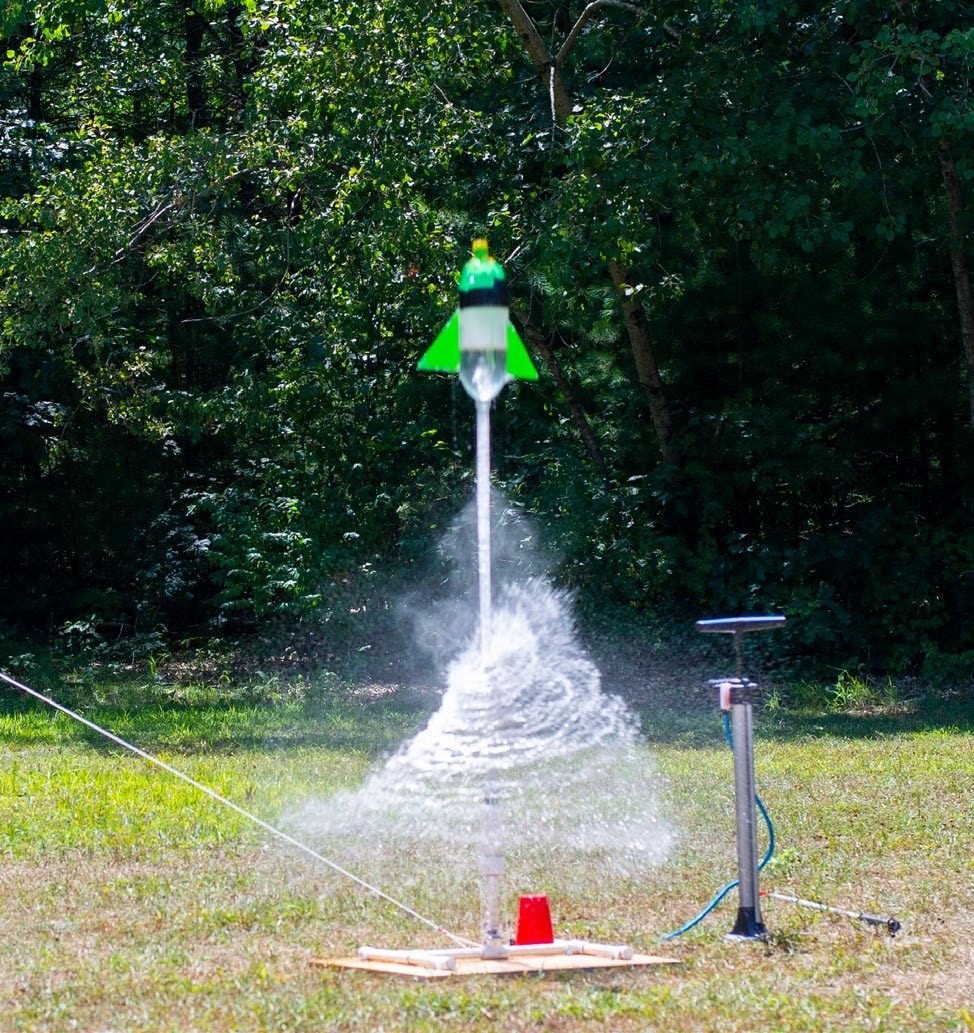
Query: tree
x=216, y=279
x=207, y=277
x=550, y=69
x=913, y=85
x=771, y=183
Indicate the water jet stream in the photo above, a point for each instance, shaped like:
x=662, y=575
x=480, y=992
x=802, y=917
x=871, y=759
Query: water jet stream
x=483, y=524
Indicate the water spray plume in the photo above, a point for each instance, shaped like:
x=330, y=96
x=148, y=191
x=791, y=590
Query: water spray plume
x=213, y=795
x=483, y=528
x=532, y=724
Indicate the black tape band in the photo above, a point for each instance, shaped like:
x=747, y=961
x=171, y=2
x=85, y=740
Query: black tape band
x=496, y=295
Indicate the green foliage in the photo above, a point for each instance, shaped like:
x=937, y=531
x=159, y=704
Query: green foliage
x=227, y=232
x=851, y=692
x=951, y=671
x=224, y=307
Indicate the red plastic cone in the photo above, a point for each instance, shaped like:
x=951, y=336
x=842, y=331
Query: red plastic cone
x=534, y=920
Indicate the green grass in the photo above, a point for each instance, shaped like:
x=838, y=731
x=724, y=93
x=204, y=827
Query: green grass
x=132, y=902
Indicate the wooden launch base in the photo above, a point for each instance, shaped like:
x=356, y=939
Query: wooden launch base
x=515, y=964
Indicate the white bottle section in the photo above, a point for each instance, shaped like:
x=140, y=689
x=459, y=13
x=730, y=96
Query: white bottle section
x=483, y=350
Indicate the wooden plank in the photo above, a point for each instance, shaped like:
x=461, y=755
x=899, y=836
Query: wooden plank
x=390, y=968
x=497, y=966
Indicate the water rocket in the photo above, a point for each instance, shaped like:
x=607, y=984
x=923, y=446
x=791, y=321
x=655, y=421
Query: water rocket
x=479, y=342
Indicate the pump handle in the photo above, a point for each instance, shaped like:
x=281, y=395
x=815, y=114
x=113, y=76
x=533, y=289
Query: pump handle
x=739, y=625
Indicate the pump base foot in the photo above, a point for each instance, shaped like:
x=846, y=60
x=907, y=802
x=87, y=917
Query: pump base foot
x=748, y=926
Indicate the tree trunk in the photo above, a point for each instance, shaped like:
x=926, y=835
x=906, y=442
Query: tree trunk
x=958, y=263
x=579, y=418
x=236, y=50
x=195, y=93
x=35, y=94
x=647, y=370
x=549, y=69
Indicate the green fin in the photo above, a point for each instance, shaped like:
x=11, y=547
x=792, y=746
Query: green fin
x=519, y=364
x=443, y=355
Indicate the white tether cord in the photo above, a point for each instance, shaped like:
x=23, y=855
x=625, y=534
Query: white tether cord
x=240, y=810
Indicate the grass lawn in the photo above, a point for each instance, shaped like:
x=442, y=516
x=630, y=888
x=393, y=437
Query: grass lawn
x=129, y=901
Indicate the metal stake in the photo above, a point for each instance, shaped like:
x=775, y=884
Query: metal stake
x=888, y=922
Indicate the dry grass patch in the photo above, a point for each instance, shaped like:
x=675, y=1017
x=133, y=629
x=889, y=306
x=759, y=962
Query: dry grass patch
x=131, y=905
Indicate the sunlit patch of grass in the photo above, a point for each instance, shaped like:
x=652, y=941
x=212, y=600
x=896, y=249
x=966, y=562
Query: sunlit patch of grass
x=64, y=786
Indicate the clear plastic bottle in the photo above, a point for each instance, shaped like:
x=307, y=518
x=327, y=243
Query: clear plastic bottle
x=483, y=350
x=483, y=325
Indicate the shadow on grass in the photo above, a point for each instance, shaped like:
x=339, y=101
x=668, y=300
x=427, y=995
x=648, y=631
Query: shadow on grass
x=932, y=713
x=375, y=721
x=347, y=722
x=695, y=728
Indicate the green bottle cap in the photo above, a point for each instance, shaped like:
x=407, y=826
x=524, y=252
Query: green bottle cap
x=482, y=279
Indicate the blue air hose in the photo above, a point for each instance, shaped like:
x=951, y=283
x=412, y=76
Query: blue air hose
x=767, y=857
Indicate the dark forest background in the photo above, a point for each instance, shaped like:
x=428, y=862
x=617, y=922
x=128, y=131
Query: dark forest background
x=738, y=237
